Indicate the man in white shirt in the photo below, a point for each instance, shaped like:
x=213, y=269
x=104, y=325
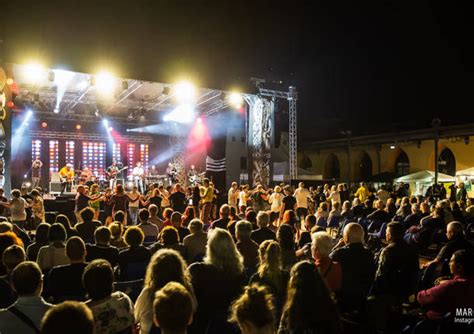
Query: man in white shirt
x=24, y=316
x=301, y=194
x=233, y=195
x=138, y=173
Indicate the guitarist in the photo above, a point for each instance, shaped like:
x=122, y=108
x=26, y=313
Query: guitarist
x=66, y=175
x=138, y=174
x=112, y=172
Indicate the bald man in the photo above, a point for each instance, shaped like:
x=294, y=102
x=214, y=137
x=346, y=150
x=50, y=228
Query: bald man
x=358, y=268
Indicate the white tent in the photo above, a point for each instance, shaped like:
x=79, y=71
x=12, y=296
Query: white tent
x=466, y=172
x=425, y=176
x=281, y=173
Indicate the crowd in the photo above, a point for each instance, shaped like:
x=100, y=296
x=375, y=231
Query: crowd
x=282, y=260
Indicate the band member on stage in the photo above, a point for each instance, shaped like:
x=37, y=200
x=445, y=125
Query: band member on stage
x=233, y=195
x=138, y=173
x=66, y=175
x=112, y=171
x=86, y=175
x=172, y=173
x=36, y=172
x=192, y=175
x=153, y=171
x=207, y=196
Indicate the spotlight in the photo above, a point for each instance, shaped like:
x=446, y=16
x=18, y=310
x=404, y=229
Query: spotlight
x=56, y=110
x=10, y=81
x=28, y=184
x=33, y=72
x=78, y=126
x=10, y=104
x=105, y=82
x=105, y=121
x=392, y=147
x=236, y=100
x=128, y=130
x=199, y=120
x=25, y=176
x=184, y=91
x=181, y=114
x=44, y=125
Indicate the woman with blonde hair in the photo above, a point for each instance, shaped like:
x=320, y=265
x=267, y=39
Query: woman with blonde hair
x=165, y=266
x=276, y=199
x=270, y=272
x=217, y=282
x=95, y=203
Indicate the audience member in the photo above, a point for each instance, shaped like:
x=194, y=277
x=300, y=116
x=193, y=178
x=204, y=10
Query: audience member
x=87, y=227
x=41, y=239
x=134, y=259
x=102, y=248
x=246, y=246
x=112, y=311
x=176, y=220
x=195, y=243
x=53, y=254
x=263, y=232
x=223, y=220
x=330, y=270
x=11, y=257
x=150, y=230
x=24, y=316
x=286, y=240
x=116, y=233
x=68, y=317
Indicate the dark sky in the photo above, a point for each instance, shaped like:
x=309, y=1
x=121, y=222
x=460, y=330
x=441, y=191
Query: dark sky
x=360, y=65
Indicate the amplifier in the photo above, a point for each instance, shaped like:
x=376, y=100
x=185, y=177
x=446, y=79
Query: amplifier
x=55, y=187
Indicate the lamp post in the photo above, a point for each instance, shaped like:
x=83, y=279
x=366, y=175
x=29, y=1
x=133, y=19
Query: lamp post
x=436, y=123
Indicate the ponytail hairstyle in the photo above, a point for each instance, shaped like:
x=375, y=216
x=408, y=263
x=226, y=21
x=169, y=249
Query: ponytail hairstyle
x=254, y=306
x=270, y=263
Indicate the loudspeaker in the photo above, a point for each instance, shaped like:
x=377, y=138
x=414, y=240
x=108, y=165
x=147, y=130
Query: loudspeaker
x=55, y=187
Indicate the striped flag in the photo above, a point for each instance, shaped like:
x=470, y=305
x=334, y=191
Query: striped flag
x=215, y=165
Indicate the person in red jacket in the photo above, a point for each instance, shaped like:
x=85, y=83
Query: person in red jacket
x=453, y=294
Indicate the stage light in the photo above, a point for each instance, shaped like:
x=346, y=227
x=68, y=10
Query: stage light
x=392, y=147
x=199, y=120
x=78, y=126
x=181, y=114
x=184, y=91
x=28, y=184
x=10, y=104
x=105, y=121
x=56, y=110
x=10, y=81
x=25, y=176
x=111, y=129
x=105, y=82
x=33, y=72
x=44, y=125
x=236, y=100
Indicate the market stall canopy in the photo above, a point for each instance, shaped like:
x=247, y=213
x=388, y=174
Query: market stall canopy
x=426, y=176
x=281, y=172
x=466, y=172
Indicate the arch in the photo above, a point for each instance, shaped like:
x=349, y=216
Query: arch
x=365, y=166
x=402, y=164
x=332, y=168
x=306, y=162
x=447, y=162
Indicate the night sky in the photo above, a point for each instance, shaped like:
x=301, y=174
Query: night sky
x=368, y=66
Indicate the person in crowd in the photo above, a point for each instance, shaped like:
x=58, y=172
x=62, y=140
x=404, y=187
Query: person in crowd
x=323, y=211
x=288, y=202
x=133, y=204
x=24, y=316
x=169, y=238
x=88, y=225
x=271, y=274
x=82, y=201
x=165, y=196
x=346, y=211
x=391, y=208
x=217, y=282
x=64, y=221
x=396, y=277
x=275, y=200
x=462, y=193
x=334, y=216
x=102, y=248
x=165, y=266
x=149, y=229
x=413, y=218
x=404, y=210
x=176, y=220
x=65, y=281
x=422, y=234
x=167, y=213
x=37, y=207
x=305, y=236
x=119, y=202
x=196, y=199
x=173, y=309
x=4, y=200
x=178, y=199
x=8, y=238
x=53, y=254
x=41, y=239
x=259, y=198
x=263, y=232
x=134, y=259
x=94, y=202
x=108, y=206
x=382, y=194
x=113, y=311
x=207, y=196
x=116, y=233
x=154, y=219
x=224, y=219
x=273, y=221
x=309, y=307
x=379, y=215
x=243, y=198
x=69, y=317
x=233, y=195
x=195, y=243
x=330, y=270
x=362, y=193
x=188, y=216
x=454, y=294
x=251, y=217
x=358, y=268
x=334, y=195
x=286, y=240
x=254, y=311
x=289, y=218
x=246, y=246
x=17, y=206
x=11, y=257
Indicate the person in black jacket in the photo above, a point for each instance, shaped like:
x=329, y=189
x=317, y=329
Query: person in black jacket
x=102, y=248
x=263, y=232
x=358, y=268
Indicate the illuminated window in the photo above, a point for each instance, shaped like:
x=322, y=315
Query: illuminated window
x=70, y=152
x=144, y=156
x=116, y=154
x=131, y=157
x=93, y=157
x=53, y=156
x=35, y=149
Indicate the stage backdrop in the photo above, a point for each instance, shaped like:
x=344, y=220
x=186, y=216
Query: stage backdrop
x=215, y=161
x=5, y=132
x=260, y=139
